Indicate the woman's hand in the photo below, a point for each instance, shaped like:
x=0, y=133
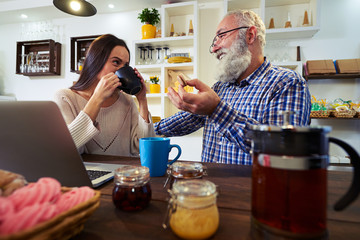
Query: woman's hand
x=142, y=94
x=141, y=97
x=106, y=87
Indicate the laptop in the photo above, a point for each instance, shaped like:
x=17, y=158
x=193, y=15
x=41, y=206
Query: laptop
x=35, y=142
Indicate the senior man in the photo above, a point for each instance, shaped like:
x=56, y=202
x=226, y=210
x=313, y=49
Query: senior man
x=249, y=90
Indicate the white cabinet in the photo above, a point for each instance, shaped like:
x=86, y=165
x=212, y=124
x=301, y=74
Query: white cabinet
x=179, y=15
x=282, y=11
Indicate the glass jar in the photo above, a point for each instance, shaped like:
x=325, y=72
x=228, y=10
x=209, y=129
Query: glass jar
x=184, y=171
x=192, y=210
x=132, y=189
x=81, y=63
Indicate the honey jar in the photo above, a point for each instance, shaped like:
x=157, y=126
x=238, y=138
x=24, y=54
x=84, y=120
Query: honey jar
x=184, y=171
x=192, y=210
x=132, y=190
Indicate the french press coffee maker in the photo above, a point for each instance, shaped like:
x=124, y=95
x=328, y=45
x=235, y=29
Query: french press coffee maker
x=289, y=180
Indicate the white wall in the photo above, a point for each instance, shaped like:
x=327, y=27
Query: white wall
x=337, y=39
x=124, y=25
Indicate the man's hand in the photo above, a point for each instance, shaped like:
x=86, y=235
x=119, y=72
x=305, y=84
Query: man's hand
x=202, y=103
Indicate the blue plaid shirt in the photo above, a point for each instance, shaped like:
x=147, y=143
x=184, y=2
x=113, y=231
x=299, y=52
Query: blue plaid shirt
x=256, y=100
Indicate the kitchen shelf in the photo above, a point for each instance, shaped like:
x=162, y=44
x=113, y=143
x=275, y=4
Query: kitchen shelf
x=178, y=14
x=167, y=41
x=78, y=50
x=38, y=58
x=286, y=33
x=337, y=118
x=280, y=10
x=332, y=76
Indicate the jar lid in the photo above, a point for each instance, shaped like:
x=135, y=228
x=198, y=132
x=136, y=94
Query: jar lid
x=196, y=188
x=186, y=170
x=131, y=174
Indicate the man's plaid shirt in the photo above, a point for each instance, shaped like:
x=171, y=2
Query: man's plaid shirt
x=256, y=100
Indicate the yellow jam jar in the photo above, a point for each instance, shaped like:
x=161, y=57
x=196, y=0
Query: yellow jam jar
x=192, y=211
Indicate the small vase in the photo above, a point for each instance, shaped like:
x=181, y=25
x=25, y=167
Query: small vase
x=154, y=88
x=147, y=84
x=148, y=31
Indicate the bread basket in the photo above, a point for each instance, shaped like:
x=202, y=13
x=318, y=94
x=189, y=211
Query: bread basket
x=63, y=226
x=319, y=114
x=344, y=114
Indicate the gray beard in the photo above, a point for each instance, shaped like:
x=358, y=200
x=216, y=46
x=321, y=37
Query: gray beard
x=235, y=61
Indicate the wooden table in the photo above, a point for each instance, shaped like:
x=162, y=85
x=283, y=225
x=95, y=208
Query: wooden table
x=234, y=203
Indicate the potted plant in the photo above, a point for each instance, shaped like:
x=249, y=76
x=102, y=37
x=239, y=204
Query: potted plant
x=154, y=86
x=150, y=18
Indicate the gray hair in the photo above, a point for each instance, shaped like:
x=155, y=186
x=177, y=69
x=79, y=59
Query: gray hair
x=250, y=18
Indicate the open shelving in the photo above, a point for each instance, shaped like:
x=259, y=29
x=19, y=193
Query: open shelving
x=332, y=76
x=178, y=14
x=78, y=50
x=280, y=10
x=38, y=58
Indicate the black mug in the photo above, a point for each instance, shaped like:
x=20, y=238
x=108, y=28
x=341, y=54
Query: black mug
x=130, y=82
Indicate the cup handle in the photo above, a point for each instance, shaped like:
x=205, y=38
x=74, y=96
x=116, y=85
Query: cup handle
x=354, y=190
x=178, y=155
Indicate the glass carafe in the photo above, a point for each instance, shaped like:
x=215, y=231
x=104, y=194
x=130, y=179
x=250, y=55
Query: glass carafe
x=289, y=181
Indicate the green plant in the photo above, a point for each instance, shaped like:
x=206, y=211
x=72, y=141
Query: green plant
x=149, y=16
x=154, y=79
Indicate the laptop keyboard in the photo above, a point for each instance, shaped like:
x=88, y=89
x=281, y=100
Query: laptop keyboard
x=94, y=174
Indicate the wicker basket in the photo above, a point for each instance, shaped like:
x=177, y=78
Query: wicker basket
x=344, y=114
x=319, y=114
x=64, y=225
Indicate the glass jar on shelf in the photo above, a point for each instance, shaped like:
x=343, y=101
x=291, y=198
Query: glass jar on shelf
x=192, y=211
x=132, y=190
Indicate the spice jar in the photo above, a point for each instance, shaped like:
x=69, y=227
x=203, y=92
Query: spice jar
x=184, y=171
x=132, y=189
x=192, y=210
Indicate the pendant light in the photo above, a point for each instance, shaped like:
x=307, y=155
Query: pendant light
x=75, y=7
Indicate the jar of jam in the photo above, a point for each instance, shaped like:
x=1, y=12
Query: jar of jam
x=184, y=171
x=192, y=210
x=132, y=189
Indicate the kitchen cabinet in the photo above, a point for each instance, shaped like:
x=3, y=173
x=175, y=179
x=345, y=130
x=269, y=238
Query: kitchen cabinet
x=178, y=15
x=38, y=58
x=78, y=49
x=282, y=11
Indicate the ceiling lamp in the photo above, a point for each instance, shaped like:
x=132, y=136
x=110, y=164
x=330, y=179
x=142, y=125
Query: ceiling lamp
x=75, y=7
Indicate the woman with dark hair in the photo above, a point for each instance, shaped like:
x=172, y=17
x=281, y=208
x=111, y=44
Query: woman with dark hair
x=101, y=118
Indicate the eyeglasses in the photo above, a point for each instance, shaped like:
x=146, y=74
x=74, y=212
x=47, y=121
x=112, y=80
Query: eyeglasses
x=221, y=35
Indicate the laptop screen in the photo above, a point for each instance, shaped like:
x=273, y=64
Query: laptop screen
x=35, y=142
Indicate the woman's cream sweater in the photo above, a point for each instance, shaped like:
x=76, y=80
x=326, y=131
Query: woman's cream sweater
x=117, y=129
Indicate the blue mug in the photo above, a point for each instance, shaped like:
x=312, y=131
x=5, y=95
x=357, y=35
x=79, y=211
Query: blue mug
x=154, y=154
